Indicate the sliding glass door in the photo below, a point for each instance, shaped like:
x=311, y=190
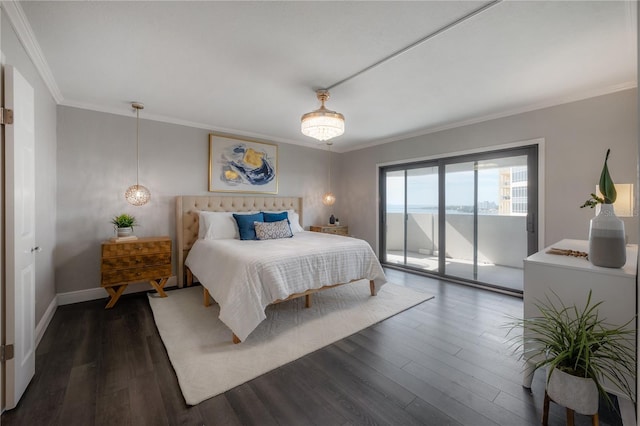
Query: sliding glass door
x=460, y=208
x=411, y=231
x=469, y=218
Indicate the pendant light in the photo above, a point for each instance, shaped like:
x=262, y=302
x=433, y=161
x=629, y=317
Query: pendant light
x=137, y=194
x=322, y=124
x=328, y=198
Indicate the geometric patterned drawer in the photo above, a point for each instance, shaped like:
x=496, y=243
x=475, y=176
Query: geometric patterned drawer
x=123, y=276
x=138, y=247
x=127, y=262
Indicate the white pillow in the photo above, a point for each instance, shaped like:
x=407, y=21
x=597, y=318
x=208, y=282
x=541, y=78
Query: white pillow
x=217, y=226
x=294, y=221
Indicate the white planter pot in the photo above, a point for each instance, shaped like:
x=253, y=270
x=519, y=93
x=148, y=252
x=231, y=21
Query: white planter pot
x=577, y=393
x=125, y=232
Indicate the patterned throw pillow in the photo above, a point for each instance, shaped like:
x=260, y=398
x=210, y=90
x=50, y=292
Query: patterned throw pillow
x=273, y=230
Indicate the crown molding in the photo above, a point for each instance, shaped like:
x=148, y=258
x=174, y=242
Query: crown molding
x=515, y=111
x=339, y=150
x=126, y=112
x=25, y=34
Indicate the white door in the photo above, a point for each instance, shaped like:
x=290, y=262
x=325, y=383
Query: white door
x=2, y=286
x=20, y=246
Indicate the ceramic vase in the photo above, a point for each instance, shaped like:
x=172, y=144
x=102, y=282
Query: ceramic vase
x=577, y=393
x=607, y=239
x=125, y=232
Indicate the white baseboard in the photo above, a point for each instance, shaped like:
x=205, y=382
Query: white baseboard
x=81, y=296
x=100, y=293
x=43, y=324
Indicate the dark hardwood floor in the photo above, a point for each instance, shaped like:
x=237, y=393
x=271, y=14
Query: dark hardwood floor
x=444, y=362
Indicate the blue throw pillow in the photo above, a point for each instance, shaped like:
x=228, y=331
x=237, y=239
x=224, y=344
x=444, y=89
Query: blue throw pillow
x=245, y=225
x=275, y=217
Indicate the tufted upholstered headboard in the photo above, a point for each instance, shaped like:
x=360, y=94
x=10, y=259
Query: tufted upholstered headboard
x=187, y=207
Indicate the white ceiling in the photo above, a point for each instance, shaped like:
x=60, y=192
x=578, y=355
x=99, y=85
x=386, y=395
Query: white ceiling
x=251, y=68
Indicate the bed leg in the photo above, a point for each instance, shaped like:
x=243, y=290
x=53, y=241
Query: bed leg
x=235, y=339
x=307, y=301
x=372, y=287
x=189, y=277
x=205, y=296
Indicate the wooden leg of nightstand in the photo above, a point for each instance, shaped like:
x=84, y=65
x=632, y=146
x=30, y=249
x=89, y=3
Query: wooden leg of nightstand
x=235, y=339
x=372, y=287
x=115, y=294
x=206, y=297
x=307, y=301
x=159, y=285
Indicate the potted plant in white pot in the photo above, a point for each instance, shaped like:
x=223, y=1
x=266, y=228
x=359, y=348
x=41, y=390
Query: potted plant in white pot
x=124, y=224
x=607, y=245
x=580, y=351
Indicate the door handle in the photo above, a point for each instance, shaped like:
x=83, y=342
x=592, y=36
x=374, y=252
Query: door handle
x=531, y=223
x=36, y=249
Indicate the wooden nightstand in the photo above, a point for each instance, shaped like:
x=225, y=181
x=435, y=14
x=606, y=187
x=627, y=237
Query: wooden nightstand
x=331, y=229
x=144, y=259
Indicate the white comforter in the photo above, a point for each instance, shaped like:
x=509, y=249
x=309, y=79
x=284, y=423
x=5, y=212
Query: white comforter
x=246, y=276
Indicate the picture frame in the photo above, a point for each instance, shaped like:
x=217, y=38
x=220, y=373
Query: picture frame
x=242, y=165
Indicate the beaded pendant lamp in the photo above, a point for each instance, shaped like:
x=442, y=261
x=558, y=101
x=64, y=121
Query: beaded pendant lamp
x=137, y=194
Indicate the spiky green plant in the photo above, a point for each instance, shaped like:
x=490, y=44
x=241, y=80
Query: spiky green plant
x=607, y=188
x=124, y=221
x=579, y=342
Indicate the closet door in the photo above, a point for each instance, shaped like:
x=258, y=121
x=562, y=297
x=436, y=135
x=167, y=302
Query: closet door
x=20, y=249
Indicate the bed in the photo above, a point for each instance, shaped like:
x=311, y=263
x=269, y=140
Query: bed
x=244, y=277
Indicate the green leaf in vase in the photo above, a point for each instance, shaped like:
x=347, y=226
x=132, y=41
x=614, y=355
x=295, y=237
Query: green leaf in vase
x=607, y=187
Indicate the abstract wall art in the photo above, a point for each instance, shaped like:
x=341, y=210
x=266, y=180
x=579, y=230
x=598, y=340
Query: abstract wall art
x=242, y=165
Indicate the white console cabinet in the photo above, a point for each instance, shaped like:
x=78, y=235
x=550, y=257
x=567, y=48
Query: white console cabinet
x=571, y=278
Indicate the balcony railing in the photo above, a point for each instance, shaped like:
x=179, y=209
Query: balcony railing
x=502, y=242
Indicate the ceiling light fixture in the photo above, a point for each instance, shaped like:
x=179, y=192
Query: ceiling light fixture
x=328, y=199
x=322, y=124
x=137, y=194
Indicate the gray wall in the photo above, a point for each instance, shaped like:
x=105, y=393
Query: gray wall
x=96, y=163
x=45, y=163
x=576, y=137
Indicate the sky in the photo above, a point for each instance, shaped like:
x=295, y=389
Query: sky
x=423, y=189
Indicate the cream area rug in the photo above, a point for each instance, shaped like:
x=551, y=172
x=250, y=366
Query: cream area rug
x=206, y=361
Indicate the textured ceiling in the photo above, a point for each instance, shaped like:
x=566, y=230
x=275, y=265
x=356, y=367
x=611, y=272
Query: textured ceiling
x=251, y=68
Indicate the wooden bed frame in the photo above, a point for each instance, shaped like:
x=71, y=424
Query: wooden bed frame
x=187, y=208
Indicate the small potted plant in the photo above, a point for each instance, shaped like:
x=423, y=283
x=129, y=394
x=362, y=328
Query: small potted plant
x=124, y=224
x=607, y=245
x=580, y=350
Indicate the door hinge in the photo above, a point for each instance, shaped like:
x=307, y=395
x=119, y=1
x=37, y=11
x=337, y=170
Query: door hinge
x=6, y=116
x=6, y=352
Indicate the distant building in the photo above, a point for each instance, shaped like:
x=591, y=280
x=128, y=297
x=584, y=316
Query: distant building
x=513, y=191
